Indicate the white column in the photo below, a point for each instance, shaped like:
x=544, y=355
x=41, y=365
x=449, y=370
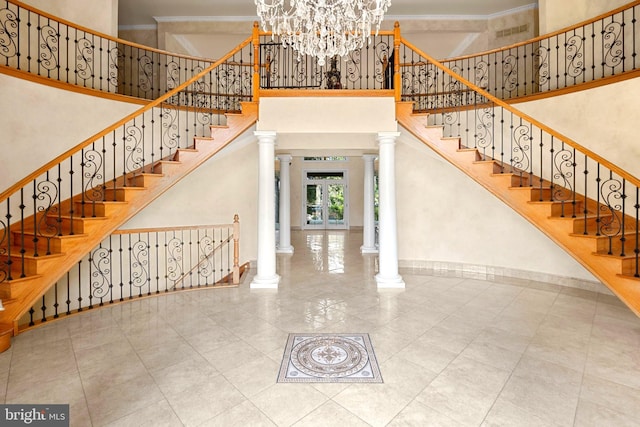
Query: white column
x=266, y=276
x=387, y=276
x=284, y=245
x=369, y=220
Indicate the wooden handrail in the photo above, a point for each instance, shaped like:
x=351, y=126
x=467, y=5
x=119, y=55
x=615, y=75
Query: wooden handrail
x=163, y=229
x=601, y=160
x=14, y=188
x=545, y=36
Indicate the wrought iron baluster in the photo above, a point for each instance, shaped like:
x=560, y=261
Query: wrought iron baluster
x=68, y=300
x=157, y=253
x=79, y=286
x=43, y=308
x=636, y=249
x=585, y=209
x=121, y=264
x=623, y=218
x=55, y=302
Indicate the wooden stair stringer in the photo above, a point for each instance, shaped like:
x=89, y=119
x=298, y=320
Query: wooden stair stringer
x=33, y=287
x=606, y=269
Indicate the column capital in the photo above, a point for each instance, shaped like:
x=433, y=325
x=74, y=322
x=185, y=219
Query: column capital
x=265, y=136
x=370, y=157
x=284, y=157
x=387, y=137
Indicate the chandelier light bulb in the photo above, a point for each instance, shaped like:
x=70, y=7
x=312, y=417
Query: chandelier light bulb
x=322, y=28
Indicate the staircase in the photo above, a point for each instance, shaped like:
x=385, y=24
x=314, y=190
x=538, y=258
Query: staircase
x=92, y=222
x=574, y=224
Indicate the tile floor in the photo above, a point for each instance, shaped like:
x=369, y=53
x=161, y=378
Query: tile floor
x=453, y=352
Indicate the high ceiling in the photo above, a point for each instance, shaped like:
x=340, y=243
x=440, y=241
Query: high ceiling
x=142, y=12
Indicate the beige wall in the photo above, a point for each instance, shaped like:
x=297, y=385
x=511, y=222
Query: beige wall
x=40, y=122
x=602, y=119
x=444, y=216
x=223, y=186
x=98, y=15
x=558, y=14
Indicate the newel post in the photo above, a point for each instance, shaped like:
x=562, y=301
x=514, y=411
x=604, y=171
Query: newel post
x=236, y=249
x=397, y=78
x=256, y=61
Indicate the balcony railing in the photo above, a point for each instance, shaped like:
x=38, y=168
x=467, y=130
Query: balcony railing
x=38, y=43
x=41, y=44
x=133, y=264
x=605, y=46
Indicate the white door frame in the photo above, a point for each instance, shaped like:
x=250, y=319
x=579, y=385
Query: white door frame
x=344, y=181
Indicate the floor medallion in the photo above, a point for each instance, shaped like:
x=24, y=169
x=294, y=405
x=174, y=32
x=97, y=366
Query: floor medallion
x=329, y=358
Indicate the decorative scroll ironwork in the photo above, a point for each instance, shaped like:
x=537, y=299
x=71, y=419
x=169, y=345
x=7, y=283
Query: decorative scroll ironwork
x=133, y=145
x=92, y=175
x=575, y=56
x=510, y=80
x=84, y=64
x=8, y=33
x=541, y=64
x=101, y=284
x=174, y=260
x=611, y=194
x=46, y=197
x=613, y=46
x=564, y=165
x=484, y=129
x=139, y=274
x=145, y=74
x=47, y=55
x=205, y=266
x=4, y=265
x=520, y=160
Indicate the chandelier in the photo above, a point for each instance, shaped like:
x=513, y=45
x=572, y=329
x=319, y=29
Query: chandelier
x=322, y=28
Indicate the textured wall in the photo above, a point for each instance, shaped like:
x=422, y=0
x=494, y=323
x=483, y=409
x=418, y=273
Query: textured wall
x=558, y=14
x=98, y=15
x=39, y=122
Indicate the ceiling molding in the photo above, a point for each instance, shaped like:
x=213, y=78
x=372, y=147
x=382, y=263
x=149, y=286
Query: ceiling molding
x=252, y=18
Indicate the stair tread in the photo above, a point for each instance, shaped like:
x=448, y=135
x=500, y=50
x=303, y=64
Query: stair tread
x=17, y=279
x=582, y=216
x=632, y=234
x=64, y=236
x=15, y=251
x=618, y=256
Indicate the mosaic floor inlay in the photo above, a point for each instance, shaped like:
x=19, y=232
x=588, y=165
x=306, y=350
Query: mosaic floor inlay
x=329, y=358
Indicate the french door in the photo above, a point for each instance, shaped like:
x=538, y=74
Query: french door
x=325, y=200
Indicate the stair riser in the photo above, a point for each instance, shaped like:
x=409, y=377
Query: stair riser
x=122, y=194
x=98, y=209
x=615, y=246
x=508, y=180
x=77, y=225
x=567, y=209
x=145, y=180
x=629, y=267
x=55, y=244
x=593, y=225
x=30, y=265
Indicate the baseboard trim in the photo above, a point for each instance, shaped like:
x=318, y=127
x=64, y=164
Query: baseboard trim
x=484, y=272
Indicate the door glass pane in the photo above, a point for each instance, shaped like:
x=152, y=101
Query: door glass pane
x=336, y=204
x=314, y=204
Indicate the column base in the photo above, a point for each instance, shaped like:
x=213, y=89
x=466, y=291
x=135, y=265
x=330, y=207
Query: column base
x=368, y=250
x=285, y=250
x=270, y=282
x=395, y=282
